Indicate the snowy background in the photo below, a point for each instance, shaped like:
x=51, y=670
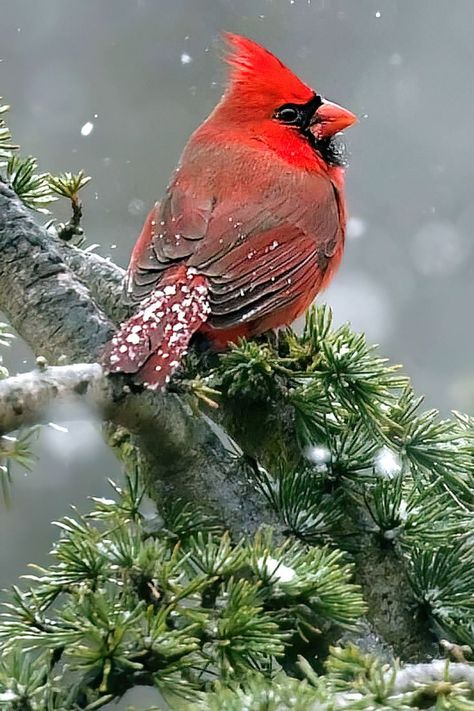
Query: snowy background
x=116, y=87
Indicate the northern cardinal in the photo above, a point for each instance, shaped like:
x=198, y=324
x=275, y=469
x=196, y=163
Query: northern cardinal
x=252, y=224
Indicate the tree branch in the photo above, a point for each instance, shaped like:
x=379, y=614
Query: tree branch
x=25, y=398
x=436, y=675
x=44, y=301
x=47, y=301
x=100, y=275
x=412, y=675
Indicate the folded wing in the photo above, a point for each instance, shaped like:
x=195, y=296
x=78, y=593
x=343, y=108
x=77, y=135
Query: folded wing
x=260, y=250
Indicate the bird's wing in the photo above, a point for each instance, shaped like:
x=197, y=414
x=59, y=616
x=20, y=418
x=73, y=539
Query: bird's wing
x=259, y=249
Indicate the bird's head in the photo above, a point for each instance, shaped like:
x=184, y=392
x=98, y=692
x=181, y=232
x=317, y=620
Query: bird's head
x=261, y=87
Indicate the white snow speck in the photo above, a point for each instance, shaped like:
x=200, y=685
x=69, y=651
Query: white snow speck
x=186, y=58
x=9, y=695
x=318, y=454
x=58, y=428
x=87, y=129
x=403, y=510
x=387, y=463
x=378, y=14
x=356, y=227
x=343, y=351
x=276, y=570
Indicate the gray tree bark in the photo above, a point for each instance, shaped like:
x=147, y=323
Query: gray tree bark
x=62, y=301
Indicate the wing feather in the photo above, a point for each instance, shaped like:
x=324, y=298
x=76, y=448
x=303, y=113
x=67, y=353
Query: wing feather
x=260, y=250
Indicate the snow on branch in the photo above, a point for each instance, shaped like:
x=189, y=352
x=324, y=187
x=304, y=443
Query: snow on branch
x=26, y=398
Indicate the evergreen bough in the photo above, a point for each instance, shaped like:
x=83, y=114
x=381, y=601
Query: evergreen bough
x=368, y=486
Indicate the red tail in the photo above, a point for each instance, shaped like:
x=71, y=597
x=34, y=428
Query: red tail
x=153, y=341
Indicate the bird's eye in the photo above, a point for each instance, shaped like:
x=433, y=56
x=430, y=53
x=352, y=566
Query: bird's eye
x=289, y=115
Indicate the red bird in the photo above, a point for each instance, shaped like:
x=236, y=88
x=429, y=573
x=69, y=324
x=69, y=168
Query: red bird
x=251, y=227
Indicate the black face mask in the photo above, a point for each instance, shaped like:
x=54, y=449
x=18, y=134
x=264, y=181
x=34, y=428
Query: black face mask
x=300, y=116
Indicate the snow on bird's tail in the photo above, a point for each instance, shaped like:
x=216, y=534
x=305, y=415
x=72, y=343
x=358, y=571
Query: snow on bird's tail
x=152, y=342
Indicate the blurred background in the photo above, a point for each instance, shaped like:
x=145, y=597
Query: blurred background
x=116, y=87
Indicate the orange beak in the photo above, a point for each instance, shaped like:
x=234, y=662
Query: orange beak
x=331, y=118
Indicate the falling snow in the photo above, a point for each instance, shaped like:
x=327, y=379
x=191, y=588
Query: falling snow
x=356, y=227
x=87, y=128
